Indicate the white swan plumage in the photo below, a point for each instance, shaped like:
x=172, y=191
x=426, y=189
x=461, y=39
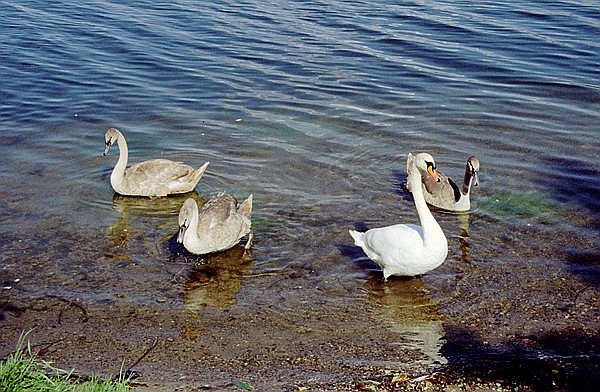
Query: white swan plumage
x=408, y=249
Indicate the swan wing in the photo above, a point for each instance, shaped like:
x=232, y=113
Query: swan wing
x=398, y=249
x=157, y=176
x=395, y=242
x=381, y=242
x=216, y=211
x=159, y=170
x=220, y=226
x=443, y=194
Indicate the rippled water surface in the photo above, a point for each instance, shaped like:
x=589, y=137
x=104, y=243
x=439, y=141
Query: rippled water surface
x=312, y=106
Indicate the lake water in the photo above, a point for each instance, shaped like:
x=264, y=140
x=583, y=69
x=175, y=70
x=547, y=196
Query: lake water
x=312, y=106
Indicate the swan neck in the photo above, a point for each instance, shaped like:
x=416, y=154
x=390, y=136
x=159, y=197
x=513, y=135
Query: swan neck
x=428, y=222
x=191, y=233
x=466, y=188
x=118, y=173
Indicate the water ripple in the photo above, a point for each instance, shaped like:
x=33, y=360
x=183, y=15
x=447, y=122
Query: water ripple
x=310, y=105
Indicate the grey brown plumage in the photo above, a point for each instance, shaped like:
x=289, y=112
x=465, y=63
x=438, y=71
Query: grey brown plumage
x=152, y=178
x=446, y=194
x=219, y=225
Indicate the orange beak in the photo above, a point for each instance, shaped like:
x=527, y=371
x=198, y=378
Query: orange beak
x=433, y=173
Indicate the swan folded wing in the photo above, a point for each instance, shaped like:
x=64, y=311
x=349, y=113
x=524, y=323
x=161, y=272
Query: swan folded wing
x=158, y=170
x=216, y=211
x=224, y=234
x=455, y=189
x=159, y=176
x=395, y=242
x=437, y=193
x=397, y=249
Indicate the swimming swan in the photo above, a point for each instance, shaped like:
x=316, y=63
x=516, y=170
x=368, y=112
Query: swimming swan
x=407, y=249
x=445, y=194
x=156, y=177
x=219, y=225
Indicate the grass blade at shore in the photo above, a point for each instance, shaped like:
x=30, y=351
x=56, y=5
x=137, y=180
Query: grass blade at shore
x=22, y=371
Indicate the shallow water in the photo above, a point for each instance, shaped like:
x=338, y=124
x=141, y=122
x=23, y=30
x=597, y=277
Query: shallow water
x=312, y=107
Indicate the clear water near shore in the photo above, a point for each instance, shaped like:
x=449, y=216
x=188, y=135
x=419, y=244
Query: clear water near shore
x=311, y=106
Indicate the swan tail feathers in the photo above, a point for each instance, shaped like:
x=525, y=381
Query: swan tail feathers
x=200, y=172
x=246, y=207
x=358, y=237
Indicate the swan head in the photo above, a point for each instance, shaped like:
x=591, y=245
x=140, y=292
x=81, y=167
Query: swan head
x=425, y=163
x=473, y=168
x=111, y=137
x=187, y=212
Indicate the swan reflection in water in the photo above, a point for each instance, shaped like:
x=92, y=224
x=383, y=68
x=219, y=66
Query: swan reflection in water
x=407, y=309
x=215, y=281
x=458, y=227
x=142, y=219
x=463, y=238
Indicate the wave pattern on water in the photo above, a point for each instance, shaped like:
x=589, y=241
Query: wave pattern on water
x=279, y=96
x=310, y=105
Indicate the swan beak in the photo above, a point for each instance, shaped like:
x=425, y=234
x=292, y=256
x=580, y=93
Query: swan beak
x=433, y=173
x=475, y=179
x=181, y=233
x=107, y=148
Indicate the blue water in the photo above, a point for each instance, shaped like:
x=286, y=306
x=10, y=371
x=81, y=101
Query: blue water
x=312, y=106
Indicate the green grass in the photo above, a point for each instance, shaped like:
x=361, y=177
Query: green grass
x=23, y=372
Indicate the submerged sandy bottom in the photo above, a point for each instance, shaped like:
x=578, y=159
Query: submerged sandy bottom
x=103, y=285
x=189, y=323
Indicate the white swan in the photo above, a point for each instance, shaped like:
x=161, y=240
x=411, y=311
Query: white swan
x=407, y=249
x=219, y=225
x=445, y=194
x=156, y=177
